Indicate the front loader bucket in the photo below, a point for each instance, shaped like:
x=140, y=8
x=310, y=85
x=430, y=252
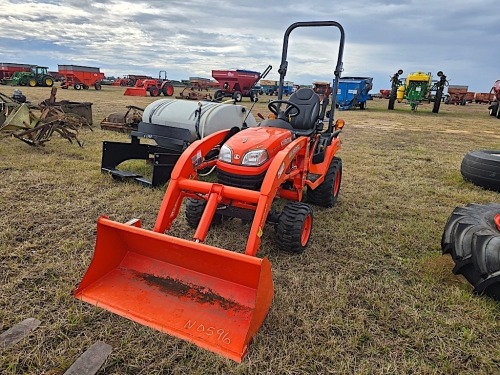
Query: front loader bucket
x=212, y=297
x=135, y=91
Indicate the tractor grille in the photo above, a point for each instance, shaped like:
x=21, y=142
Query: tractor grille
x=240, y=181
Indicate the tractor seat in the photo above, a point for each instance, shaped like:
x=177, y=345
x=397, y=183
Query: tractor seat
x=309, y=103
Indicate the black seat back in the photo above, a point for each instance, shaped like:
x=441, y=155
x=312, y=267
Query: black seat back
x=308, y=102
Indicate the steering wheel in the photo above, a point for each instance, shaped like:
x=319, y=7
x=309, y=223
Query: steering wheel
x=273, y=107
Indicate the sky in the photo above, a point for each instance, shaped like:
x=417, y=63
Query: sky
x=191, y=37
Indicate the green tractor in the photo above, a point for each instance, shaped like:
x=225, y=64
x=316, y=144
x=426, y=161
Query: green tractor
x=416, y=88
x=37, y=77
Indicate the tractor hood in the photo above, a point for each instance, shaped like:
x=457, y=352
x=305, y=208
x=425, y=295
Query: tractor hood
x=270, y=139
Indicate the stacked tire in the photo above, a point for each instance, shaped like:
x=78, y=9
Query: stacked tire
x=482, y=168
x=472, y=238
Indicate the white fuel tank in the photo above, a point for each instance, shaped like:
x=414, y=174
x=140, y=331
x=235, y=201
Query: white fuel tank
x=181, y=114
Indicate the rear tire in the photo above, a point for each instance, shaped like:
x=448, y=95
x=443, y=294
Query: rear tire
x=97, y=86
x=472, y=238
x=294, y=227
x=326, y=194
x=362, y=105
x=48, y=82
x=77, y=86
x=194, y=211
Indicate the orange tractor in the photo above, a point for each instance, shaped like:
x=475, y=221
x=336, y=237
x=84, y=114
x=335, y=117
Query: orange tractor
x=213, y=297
x=155, y=87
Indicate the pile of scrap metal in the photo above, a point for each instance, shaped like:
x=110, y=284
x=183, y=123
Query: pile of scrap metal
x=123, y=122
x=35, y=124
x=192, y=94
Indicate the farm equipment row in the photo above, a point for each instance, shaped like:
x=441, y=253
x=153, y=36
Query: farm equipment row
x=213, y=297
x=36, y=76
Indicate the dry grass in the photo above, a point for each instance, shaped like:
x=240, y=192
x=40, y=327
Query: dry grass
x=371, y=295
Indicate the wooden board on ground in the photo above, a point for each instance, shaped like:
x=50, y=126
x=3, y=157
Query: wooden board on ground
x=16, y=333
x=91, y=361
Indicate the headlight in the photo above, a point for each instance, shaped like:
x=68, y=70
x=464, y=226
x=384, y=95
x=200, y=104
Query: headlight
x=255, y=158
x=226, y=154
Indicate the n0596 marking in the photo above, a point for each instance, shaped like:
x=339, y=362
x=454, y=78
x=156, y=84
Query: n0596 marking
x=221, y=334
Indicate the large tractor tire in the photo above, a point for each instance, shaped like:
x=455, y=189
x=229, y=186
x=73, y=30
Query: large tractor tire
x=493, y=108
x=472, y=237
x=326, y=194
x=48, y=81
x=482, y=168
x=392, y=98
x=294, y=227
x=437, y=101
x=194, y=211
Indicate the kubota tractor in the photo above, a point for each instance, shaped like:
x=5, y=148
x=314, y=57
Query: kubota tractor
x=155, y=87
x=213, y=297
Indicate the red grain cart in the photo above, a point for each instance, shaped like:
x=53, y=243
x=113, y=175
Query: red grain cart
x=237, y=83
x=483, y=97
x=469, y=97
x=80, y=77
x=457, y=94
x=8, y=69
x=385, y=93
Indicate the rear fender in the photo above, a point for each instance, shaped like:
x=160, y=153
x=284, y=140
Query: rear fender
x=322, y=168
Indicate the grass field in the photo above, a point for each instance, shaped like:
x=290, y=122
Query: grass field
x=371, y=295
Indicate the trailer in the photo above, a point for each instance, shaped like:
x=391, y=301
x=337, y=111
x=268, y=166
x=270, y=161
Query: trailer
x=457, y=94
x=269, y=87
x=483, y=97
x=237, y=83
x=352, y=92
x=80, y=77
x=8, y=69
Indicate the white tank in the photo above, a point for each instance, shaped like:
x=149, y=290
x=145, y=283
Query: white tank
x=181, y=114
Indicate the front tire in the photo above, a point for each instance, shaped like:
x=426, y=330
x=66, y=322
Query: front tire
x=294, y=227
x=326, y=194
x=154, y=91
x=194, y=211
